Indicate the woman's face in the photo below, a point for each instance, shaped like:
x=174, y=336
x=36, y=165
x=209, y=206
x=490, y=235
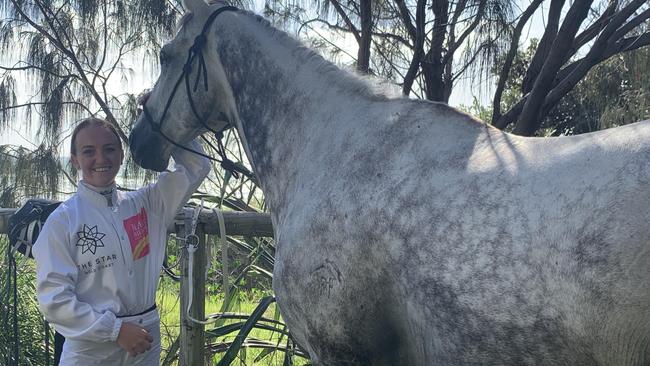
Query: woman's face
x=99, y=155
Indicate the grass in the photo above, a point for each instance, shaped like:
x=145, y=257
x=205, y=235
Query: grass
x=255, y=350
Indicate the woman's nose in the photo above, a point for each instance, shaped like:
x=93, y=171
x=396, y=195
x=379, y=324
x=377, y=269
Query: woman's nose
x=103, y=157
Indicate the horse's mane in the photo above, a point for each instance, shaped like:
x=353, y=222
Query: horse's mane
x=368, y=86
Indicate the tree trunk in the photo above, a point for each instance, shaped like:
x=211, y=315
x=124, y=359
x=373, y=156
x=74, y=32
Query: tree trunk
x=432, y=67
x=544, y=47
x=505, y=70
x=363, y=56
x=418, y=47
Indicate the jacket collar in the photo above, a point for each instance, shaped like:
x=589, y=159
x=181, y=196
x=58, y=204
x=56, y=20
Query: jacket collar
x=93, y=195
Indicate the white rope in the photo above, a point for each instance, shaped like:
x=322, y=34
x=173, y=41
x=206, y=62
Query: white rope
x=191, y=248
x=224, y=253
x=190, y=270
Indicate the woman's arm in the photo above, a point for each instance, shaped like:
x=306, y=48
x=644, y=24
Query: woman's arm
x=174, y=188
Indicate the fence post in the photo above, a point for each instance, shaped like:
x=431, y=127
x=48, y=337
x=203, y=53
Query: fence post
x=192, y=338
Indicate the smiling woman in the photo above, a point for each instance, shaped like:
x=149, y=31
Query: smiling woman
x=99, y=253
x=96, y=150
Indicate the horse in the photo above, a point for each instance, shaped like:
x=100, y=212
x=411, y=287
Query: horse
x=409, y=233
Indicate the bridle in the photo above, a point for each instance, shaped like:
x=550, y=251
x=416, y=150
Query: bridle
x=196, y=51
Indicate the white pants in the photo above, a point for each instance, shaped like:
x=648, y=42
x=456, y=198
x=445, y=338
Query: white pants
x=78, y=352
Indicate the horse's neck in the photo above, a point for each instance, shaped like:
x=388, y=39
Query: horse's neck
x=283, y=100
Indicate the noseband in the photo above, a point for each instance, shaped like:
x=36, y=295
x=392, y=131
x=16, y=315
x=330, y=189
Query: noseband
x=196, y=51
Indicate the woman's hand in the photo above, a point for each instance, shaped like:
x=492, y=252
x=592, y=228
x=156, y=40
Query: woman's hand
x=134, y=339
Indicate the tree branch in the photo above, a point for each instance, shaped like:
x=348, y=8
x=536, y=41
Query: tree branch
x=594, y=29
x=326, y=39
x=40, y=29
x=405, y=15
x=529, y=120
x=624, y=45
x=545, y=45
x=596, y=54
x=346, y=19
x=395, y=37
x=512, y=52
x=635, y=22
x=418, y=47
x=104, y=49
x=379, y=50
x=628, y=44
x=466, y=66
x=33, y=104
x=454, y=46
x=30, y=66
x=110, y=118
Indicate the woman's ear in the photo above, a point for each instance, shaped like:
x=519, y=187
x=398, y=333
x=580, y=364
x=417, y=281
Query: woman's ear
x=75, y=162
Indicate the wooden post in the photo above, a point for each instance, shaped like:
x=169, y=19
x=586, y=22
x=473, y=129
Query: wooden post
x=192, y=337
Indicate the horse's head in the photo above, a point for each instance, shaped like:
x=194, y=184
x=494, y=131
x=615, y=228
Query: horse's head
x=179, y=107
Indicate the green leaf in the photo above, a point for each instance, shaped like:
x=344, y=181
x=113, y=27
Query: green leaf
x=172, y=352
x=243, y=333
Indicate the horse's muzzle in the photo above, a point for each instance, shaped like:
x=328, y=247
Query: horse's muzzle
x=147, y=147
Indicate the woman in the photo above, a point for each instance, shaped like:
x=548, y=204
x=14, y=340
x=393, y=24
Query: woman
x=100, y=252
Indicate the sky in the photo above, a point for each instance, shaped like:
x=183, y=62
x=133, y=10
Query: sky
x=139, y=75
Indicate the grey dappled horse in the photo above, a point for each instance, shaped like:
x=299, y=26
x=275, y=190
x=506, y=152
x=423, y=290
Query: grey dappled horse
x=409, y=233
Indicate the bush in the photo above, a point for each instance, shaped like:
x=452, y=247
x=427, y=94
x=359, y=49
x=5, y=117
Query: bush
x=23, y=338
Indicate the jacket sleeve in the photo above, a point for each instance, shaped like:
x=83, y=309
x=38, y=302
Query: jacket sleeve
x=174, y=188
x=56, y=276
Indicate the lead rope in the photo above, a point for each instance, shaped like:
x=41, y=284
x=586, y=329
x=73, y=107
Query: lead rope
x=224, y=253
x=192, y=244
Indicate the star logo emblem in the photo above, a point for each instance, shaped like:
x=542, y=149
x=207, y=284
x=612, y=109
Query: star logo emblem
x=89, y=239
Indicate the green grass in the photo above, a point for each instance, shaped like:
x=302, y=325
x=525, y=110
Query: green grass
x=244, y=304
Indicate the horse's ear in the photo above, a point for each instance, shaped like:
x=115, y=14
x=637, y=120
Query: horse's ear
x=195, y=6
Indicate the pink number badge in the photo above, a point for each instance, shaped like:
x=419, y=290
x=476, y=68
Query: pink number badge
x=138, y=231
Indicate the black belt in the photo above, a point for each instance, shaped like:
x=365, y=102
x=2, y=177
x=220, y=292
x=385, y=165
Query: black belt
x=140, y=313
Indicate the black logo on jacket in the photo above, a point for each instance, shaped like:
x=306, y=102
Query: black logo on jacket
x=89, y=239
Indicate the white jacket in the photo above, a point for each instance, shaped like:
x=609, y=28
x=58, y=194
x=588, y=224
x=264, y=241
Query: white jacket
x=95, y=262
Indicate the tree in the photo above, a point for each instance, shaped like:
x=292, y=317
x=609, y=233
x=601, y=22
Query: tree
x=73, y=50
x=420, y=48
x=425, y=46
x=615, y=92
x=557, y=65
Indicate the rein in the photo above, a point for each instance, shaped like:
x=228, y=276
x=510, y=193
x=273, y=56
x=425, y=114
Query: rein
x=196, y=51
